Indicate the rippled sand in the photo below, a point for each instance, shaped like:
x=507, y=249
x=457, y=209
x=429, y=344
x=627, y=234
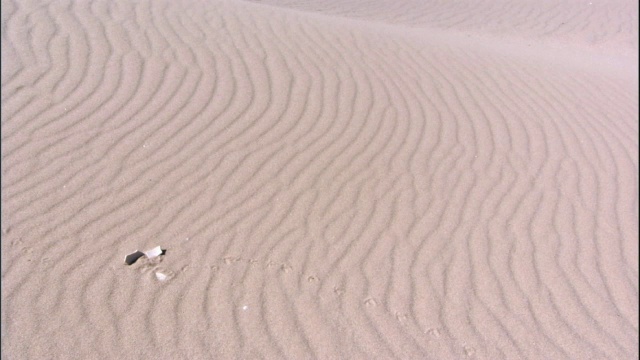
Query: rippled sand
x=332, y=180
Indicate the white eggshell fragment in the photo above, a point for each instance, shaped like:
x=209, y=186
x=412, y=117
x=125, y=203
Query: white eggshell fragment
x=156, y=251
x=160, y=276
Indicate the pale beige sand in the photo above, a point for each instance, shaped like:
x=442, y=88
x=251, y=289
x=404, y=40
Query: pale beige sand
x=348, y=180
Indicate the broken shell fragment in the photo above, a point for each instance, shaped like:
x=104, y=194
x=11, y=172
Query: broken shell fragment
x=160, y=276
x=150, y=254
x=156, y=251
x=133, y=257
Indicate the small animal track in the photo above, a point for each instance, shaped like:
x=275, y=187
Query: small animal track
x=402, y=317
x=231, y=260
x=283, y=268
x=434, y=332
x=469, y=351
x=370, y=302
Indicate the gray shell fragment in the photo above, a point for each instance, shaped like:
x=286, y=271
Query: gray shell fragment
x=133, y=257
x=150, y=254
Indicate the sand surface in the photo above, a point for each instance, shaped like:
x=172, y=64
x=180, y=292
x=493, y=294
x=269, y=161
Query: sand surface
x=329, y=179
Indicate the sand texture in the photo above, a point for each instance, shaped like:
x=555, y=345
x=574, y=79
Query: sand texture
x=329, y=180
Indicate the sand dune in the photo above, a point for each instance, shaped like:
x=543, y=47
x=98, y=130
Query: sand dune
x=610, y=26
x=343, y=180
